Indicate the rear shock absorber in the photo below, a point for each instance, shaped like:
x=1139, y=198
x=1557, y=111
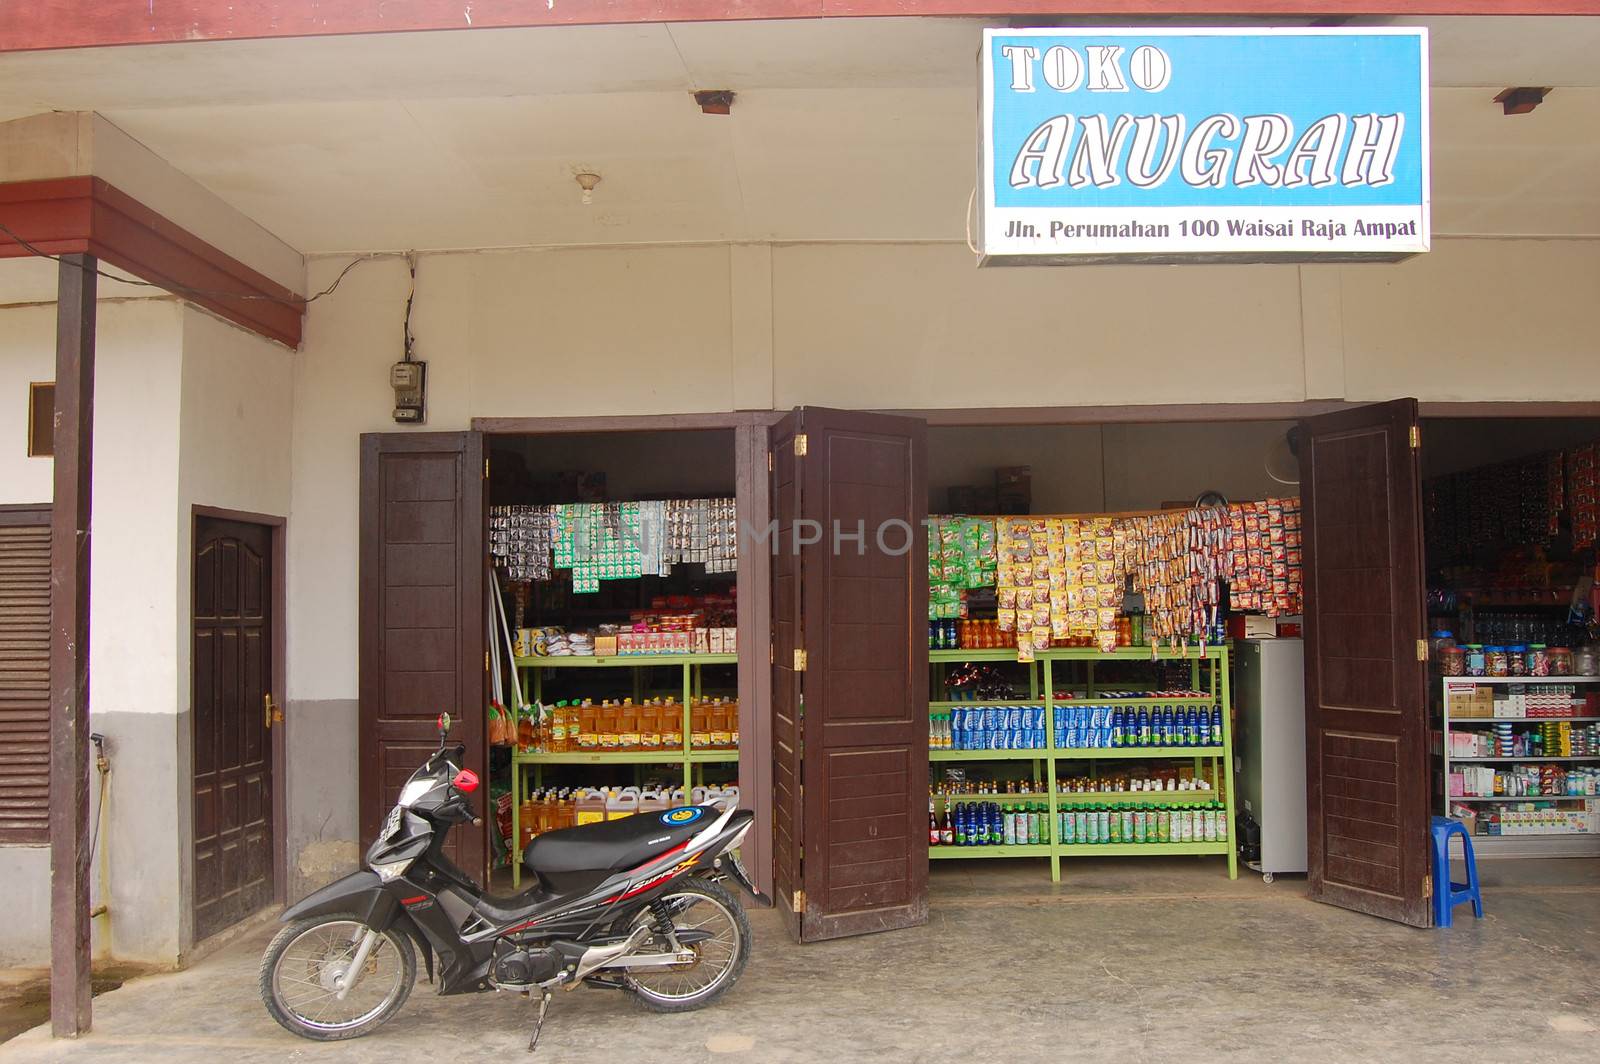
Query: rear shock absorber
x=661, y=913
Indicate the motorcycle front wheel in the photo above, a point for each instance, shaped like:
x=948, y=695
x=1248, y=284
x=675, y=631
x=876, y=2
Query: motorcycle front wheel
x=721, y=952
x=301, y=970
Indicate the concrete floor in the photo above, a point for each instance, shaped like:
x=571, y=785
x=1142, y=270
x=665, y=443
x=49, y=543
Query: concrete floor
x=1127, y=961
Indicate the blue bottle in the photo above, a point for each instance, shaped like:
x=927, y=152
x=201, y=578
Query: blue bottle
x=1191, y=727
x=1216, y=726
x=1169, y=728
x=1144, y=727
x=1116, y=727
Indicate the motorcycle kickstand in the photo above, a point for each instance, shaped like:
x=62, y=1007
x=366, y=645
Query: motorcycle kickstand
x=538, y=1023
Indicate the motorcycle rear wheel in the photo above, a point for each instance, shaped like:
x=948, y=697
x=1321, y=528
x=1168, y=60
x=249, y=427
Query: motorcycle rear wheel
x=299, y=967
x=696, y=904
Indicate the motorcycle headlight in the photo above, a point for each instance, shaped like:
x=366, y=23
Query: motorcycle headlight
x=393, y=869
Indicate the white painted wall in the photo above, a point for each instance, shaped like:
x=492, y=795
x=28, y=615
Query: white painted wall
x=188, y=410
x=234, y=454
x=27, y=354
x=704, y=328
x=133, y=615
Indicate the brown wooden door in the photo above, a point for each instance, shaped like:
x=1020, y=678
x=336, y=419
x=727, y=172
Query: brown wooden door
x=24, y=674
x=1366, y=680
x=850, y=594
x=233, y=772
x=422, y=611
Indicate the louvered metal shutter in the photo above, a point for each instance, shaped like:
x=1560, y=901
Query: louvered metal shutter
x=24, y=675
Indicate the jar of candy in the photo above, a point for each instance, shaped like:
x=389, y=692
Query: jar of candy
x=1538, y=660
x=1517, y=659
x=1453, y=661
x=1439, y=640
x=1586, y=661
x=1560, y=661
x=1476, y=663
x=1495, y=661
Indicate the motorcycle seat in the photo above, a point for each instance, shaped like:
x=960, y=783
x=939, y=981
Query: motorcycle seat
x=615, y=845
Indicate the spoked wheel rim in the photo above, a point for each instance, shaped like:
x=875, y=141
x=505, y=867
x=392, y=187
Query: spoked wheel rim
x=715, y=956
x=303, y=980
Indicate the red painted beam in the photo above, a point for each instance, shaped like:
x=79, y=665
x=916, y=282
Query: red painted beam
x=92, y=23
x=85, y=214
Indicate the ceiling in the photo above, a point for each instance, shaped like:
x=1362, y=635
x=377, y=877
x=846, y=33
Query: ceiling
x=849, y=129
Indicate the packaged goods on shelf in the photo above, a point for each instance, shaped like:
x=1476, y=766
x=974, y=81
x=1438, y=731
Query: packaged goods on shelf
x=642, y=638
x=655, y=725
x=520, y=540
x=1513, y=503
x=961, y=556
x=1161, y=781
x=1011, y=788
x=988, y=728
x=1078, y=825
x=1111, y=726
x=1583, y=493
x=989, y=824
x=1524, y=781
x=1059, y=581
x=1540, y=820
x=613, y=540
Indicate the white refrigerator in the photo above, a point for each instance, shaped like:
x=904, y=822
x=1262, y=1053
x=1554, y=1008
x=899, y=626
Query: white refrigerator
x=1270, y=749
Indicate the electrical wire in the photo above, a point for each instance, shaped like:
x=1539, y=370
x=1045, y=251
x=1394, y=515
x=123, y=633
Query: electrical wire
x=212, y=293
x=411, y=261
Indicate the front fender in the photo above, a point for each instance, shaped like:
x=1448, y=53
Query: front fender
x=361, y=894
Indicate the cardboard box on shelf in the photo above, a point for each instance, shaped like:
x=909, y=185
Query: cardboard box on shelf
x=1465, y=699
x=605, y=646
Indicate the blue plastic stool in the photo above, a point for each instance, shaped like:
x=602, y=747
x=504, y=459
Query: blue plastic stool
x=1447, y=895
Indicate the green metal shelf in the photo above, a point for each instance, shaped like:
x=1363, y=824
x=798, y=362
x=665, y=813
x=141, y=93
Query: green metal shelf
x=1214, y=762
x=620, y=757
x=1134, y=797
x=1097, y=753
x=946, y=852
x=630, y=661
x=974, y=796
x=1139, y=849
x=627, y=757
x=1002, y=654
x=1102, y=700
x=988, y=755
x=531, y=673
x=1212, y=653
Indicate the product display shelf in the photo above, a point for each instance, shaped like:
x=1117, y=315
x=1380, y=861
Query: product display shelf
x=1031, y=850
x=531, y=674
x=1143, y=849
x=1517, y=844
x=1523, y=680
x=619, y=661
x=1132, y=797
x=1041, y=685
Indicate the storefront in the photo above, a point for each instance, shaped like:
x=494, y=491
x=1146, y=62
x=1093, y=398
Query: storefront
x=602, y=358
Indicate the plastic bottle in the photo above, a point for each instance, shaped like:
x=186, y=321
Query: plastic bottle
x=1144, y=727
x=588, y=727
x=721, y=731
x=628, y=727
x=1216, y=726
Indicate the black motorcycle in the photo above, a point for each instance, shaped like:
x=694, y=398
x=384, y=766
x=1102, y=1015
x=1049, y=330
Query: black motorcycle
x=635, y=904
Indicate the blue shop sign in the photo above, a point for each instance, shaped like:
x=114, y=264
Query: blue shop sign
x=1203, y=145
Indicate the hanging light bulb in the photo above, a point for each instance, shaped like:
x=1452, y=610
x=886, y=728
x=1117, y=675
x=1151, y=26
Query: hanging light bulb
x=587, y=182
